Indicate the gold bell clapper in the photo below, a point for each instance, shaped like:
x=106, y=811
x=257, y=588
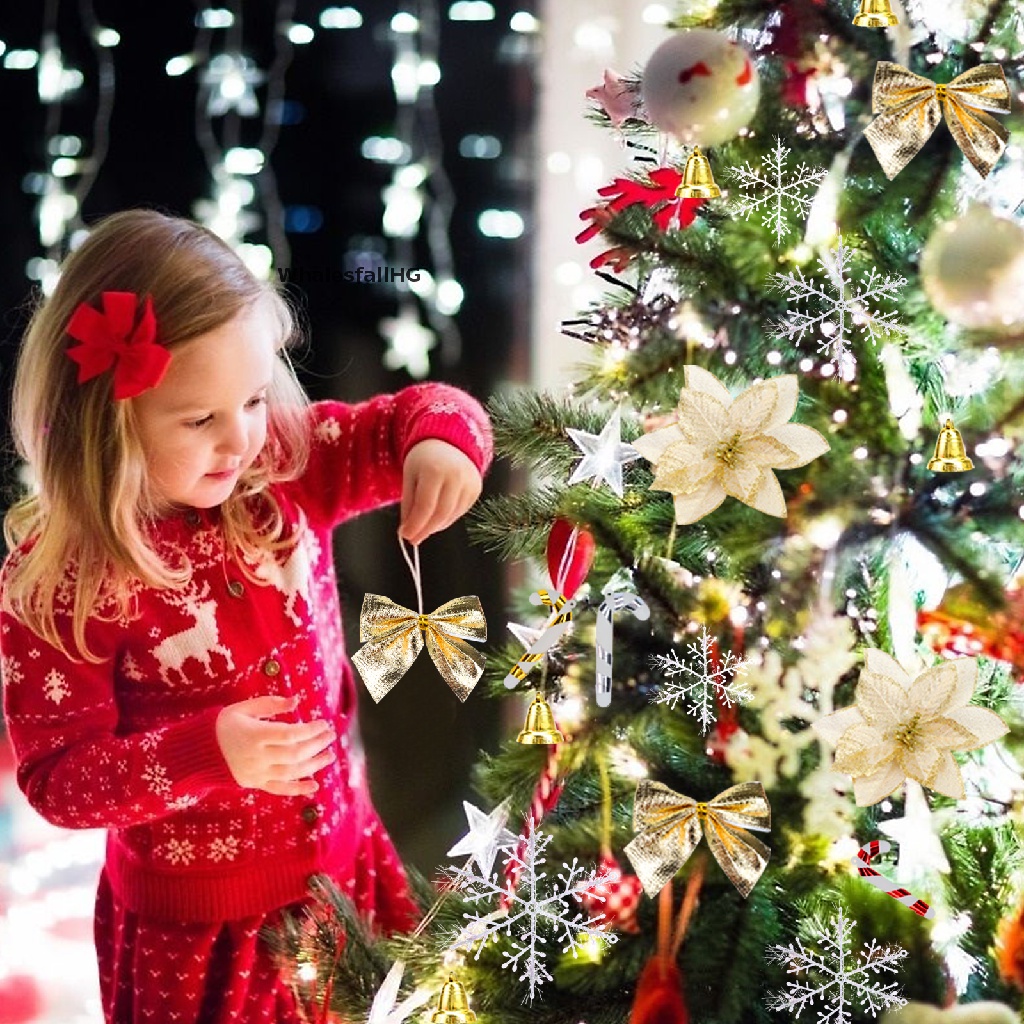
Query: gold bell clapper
x=698, y=181
x=452, y=1004
x=540, y=725
x=875, y=14
x=950, y=454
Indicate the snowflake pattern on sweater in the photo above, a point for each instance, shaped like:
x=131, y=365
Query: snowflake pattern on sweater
x=130, y=744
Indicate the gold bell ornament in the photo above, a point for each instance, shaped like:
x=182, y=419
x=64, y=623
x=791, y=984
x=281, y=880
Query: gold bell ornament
x=950, y=454
x=875, y=14
x=540, y=725
x=698, y=181
x=452, y=1004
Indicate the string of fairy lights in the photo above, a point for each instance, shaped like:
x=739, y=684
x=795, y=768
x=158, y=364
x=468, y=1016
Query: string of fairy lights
x=240, y=108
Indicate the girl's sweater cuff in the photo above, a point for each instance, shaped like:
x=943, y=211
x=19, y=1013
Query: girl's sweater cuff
x=192, y=755
x=462, y=432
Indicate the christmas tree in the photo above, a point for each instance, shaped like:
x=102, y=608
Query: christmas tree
x=781, y=519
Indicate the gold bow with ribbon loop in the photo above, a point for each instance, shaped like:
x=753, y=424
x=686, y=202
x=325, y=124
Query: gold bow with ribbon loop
x=669, y=828
x=393, y=637
x=910, y=107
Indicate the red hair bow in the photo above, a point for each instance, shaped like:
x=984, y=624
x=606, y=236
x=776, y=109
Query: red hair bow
x=111, y=339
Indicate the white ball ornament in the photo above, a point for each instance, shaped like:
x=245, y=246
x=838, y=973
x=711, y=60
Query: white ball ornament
x=972, y=270
x=701, y=87
x=967, y=1013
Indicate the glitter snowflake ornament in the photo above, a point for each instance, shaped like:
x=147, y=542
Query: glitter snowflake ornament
x=837, y=312
x=538, y=907
x=703, y=683
x=836, y=980
x=772, y=191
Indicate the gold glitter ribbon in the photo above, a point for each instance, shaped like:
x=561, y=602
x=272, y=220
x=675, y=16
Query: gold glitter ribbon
x=394, y=636
x=910, y=107
x=670, y=826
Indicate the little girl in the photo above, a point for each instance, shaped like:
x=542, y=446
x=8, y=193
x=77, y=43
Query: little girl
x=170, y=631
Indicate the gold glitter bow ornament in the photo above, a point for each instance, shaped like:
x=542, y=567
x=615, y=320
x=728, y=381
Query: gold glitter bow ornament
x=670, y=826
x=904, y=728
x=394, y=636
x=910, y=107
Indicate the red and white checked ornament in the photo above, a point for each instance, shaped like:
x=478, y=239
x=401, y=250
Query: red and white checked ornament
x=860, y=861
x=621, y=897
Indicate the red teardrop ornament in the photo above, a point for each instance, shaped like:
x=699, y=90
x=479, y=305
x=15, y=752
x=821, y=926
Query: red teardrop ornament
x=580, y=562
x=659, y=995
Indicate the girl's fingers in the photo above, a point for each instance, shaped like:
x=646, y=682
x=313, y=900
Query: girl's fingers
x=448, y=509
x=286, y=734
x=424, y=501
x=299, y=752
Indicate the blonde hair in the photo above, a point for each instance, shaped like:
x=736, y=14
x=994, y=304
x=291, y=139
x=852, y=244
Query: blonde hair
x=86, y=512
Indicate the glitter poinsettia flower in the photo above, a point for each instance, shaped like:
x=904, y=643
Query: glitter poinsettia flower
x=721, y=446
x=903, y=728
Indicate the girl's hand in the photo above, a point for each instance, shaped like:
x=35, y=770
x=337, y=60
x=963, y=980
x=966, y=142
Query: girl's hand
x=278, y=757
x=440, y=484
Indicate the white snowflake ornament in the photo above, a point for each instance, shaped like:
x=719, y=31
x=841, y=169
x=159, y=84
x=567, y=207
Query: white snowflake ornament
x=772, y=191
x=840, y=310
x=537, y=906
x=833, y=979
x=702, y=683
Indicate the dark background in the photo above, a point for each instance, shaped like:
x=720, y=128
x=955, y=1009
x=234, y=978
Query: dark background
x=420, y=741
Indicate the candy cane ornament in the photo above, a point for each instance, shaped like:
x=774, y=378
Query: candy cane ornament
x=546, y=795
x=552, y=632
x=863, y=858
x=605, y=637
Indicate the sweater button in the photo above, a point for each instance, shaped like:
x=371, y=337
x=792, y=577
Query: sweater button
x=310, y=814
x=271, y=667
x=236, y=588
x=192, y=517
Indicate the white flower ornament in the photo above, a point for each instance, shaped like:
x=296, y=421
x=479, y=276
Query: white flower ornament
x=904, y=728
x=722, y=446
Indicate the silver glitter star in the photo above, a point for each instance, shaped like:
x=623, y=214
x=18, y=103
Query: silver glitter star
x=604, y=454
x=486, y=835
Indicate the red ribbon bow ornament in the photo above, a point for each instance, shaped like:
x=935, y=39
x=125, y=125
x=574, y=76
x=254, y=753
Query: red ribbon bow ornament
x=111, y=339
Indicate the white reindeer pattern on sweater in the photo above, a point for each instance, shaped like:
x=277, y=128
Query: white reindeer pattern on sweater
x=199, y=641
x=292, y=577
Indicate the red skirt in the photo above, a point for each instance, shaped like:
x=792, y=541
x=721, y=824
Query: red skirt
x=170, y=972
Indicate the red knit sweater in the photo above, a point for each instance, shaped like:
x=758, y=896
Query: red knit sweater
x=130, y=744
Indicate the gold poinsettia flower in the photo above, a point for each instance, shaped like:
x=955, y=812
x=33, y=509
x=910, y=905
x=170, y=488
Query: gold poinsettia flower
x=904, y=728
x=720, y=445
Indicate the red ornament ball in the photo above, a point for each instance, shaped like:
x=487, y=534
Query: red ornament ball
x=621, y=897
x=577, y=564
x=20, y=999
